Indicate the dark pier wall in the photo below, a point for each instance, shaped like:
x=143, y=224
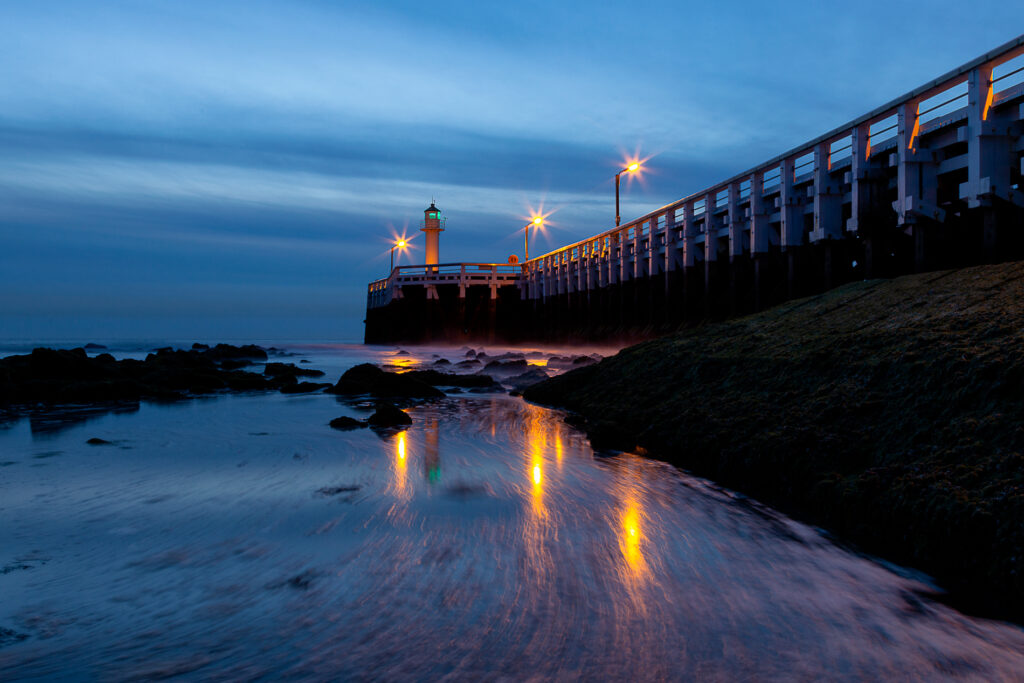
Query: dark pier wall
x=648, y=306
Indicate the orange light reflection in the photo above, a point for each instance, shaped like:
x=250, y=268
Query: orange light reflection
x=400, y=469
x=631, y=524
x=988, y=101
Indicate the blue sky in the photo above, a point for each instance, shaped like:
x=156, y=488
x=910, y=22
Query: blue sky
x=237, y=169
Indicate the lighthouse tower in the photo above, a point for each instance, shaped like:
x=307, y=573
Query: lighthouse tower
x=432, y=226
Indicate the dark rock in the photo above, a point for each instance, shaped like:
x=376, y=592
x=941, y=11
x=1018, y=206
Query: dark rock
x=55, y=377
x=369, y=379
x=346, y=423
x=505, y=367
x=388, y=415
x=96, y=441
x=448, y=379
x=249, y=351
x=304, y=387
x=527, y=379
x=401, y=352
x=467, y=363
x=510, y=355
x=229, y=364
x=304, y=360
x=299, y=582
x=442, y=361
x=288, y=369
x=95, y=347
x=200, y=347
x=471, y=354
x=329, y=491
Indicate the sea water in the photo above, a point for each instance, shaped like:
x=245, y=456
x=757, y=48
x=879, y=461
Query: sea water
x=238, y=536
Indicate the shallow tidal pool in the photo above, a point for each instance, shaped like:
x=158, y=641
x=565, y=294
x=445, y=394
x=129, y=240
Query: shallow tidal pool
x=240, y=537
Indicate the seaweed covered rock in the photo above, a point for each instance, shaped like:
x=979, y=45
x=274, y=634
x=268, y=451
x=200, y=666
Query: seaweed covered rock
x=248, y=351
x=52, y=376
x=369, y=379
x=527, y=379
x=289, y=370
x=346, y=423
x=388, y=415
x=504, y=368
x=304, y=387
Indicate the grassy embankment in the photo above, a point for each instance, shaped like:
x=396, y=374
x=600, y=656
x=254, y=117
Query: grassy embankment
x=889, y=411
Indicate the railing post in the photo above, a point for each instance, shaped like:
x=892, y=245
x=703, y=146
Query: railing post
x=737, y=246
x=828, y=207
x=860, y=187
x=671, y=245
x=760, y=231
x=710, y=231
x=791, y=211
x=638, y=269
x=689, y=236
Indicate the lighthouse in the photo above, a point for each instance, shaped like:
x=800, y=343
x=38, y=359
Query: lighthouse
x=432, y=225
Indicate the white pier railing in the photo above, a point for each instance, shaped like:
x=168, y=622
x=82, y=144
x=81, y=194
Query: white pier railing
x=493, y=275
x=952, y=144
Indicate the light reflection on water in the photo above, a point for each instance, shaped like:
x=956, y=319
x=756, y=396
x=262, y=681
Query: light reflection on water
x=401, y=487
x=240, y=538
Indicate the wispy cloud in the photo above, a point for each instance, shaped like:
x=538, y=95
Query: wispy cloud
x=269, y=147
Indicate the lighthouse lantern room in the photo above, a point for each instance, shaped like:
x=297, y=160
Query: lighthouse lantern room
x=432, y=225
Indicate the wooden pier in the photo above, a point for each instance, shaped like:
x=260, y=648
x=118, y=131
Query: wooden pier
x=929, y=180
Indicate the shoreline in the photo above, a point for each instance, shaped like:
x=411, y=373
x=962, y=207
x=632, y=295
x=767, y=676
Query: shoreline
x=887, y=412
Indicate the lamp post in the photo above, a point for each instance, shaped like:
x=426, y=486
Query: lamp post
x=536, y=222
x=632, y=168
x=400, y=244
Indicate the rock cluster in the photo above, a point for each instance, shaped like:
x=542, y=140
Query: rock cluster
x=50, y=376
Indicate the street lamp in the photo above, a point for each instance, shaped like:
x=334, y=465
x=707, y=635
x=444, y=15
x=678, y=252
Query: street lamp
x=536, y=222
x=400, y=244
x=632, y=168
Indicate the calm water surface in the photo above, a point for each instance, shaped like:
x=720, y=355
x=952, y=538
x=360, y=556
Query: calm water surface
x=240, y=537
